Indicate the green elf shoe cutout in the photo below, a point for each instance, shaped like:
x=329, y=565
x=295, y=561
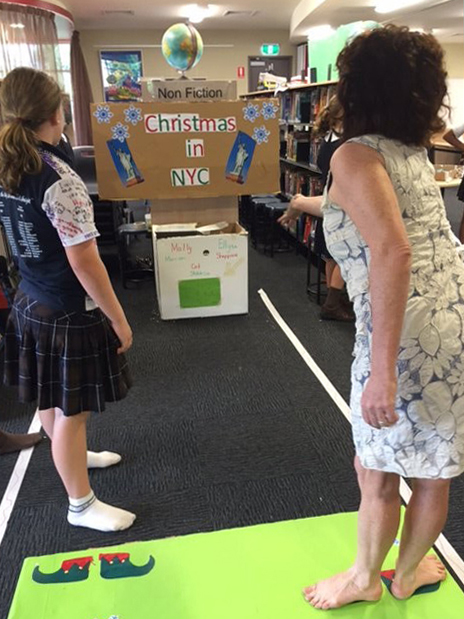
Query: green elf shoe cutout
x=389, y=575
x=74, y=570
x=119, y=566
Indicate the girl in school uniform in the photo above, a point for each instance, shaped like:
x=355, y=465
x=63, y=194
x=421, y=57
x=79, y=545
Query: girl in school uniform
x=67, y=333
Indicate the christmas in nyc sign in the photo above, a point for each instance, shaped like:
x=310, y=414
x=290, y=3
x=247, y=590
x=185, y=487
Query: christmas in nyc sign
x=186, y=150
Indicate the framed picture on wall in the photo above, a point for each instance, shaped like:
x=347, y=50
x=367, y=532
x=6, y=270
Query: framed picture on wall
x=121, y=74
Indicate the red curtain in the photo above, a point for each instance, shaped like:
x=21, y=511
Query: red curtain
x=82, y=93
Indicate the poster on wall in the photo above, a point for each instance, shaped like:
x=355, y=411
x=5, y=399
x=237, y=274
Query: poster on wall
x=122, y=73
x=186, y=150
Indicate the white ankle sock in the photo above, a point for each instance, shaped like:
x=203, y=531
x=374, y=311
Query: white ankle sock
x=102, y=459
x=89, y=512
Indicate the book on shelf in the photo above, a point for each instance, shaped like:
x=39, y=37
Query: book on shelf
x=315, y=146
x=294, y=182
x=307, y=229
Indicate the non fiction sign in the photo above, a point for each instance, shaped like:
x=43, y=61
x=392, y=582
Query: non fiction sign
x=186, y=150
x=189, y=90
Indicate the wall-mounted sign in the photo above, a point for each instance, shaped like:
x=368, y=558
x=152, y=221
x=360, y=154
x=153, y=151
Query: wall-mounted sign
x=121, y=73
x=270, y=49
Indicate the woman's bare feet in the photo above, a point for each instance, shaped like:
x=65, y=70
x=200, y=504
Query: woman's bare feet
x=429, y=571
x=342, y=589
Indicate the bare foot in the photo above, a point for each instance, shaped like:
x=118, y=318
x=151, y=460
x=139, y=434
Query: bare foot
x=429, y=571
x=341, y=590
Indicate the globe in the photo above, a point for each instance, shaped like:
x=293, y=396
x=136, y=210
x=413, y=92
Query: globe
x=182, y=46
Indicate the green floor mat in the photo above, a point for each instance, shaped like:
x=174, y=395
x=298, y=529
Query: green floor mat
x=249, y=573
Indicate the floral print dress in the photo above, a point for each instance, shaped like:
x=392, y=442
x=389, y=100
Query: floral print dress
x=428, y=440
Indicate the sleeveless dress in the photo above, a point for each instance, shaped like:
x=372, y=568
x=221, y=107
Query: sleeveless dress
x=428, y=440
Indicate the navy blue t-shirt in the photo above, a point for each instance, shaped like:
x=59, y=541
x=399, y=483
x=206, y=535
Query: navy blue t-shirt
x=52, y=210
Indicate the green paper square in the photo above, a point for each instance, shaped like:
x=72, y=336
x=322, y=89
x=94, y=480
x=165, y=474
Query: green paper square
x=194, y=293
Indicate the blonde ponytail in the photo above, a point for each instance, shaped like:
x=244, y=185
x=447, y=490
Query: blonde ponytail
x=28, y=98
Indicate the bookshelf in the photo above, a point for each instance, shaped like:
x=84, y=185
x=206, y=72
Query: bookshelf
x=299, y=149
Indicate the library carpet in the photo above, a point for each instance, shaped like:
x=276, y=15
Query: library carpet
x=225, y=427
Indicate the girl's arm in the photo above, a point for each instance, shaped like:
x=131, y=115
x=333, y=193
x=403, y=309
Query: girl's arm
x=89, y=269
x=301, y=204
x=451, y=138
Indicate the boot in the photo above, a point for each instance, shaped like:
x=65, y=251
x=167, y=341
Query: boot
x=9, y=443
x=333, y=308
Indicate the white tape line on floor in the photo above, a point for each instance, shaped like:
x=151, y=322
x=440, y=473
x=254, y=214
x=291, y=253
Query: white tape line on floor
x=445, y=548
x=16, y=480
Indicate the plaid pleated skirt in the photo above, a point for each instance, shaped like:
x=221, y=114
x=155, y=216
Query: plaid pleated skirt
x=66, y=360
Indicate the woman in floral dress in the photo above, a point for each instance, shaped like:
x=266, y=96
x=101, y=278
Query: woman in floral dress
x=385, y=224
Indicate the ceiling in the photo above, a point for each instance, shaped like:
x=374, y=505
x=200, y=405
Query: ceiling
x=445, y=17
x=159, y=14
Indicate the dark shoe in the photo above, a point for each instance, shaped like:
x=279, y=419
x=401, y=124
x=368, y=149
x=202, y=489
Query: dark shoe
x=339, y=313
x=333, y=308
x=9, y=443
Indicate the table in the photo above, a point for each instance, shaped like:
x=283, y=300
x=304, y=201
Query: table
x=448, y=185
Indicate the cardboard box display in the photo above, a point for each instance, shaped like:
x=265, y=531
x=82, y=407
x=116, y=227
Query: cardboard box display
x=201, y=275
x=186, y=150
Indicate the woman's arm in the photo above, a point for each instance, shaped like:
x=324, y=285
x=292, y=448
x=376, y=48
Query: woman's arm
x=363, y=189
x=302, y=204
x=89, y=269
x=451, y=138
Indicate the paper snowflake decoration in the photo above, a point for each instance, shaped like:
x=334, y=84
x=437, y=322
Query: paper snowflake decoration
x=133, y=115
x=113, y=617
x=251, y=112
x=269, y=110
x=120, y=132
x=261, y=134
x=103, y=114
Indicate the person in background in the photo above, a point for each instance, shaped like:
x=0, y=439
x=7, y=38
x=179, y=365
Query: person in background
x=386, y=225
x=65, y=143
x=10, y=443
x=60, y=349
x=452, y=136
x=328, y=127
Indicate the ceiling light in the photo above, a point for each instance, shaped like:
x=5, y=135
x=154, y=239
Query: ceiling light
x=389, y=6
x=17, y=26
x=319, y=33
x=196, y=13
x=419, y=30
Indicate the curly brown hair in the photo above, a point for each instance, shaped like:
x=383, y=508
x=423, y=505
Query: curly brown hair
x=393, y=83
x=328, y=119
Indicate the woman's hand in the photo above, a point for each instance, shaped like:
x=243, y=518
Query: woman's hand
x=378, y=402
x=124, y=333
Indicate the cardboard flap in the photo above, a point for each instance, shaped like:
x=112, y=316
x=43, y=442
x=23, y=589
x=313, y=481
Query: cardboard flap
x=205, y=211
